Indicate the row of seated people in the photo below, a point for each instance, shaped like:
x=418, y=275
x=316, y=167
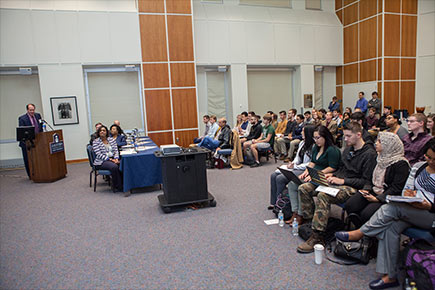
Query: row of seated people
x=364, y=175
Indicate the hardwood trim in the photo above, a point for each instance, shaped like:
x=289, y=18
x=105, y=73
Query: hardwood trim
x=339, y=94
x=392, y=35
x=379, y=18
x=338, y=75
x=409, y=6
x=350, y=41
x=185, y=138
x=391, y=69
x=351, y=14
x=391, y=94
x=151, y=6
x=407, y=96
x=347, y=2
x=178, y=6
x=351, y=73
x=183, y=74
x=392, y=6
x=155, y=75
x=367, y=8
x=180, y=38
x=409, y=35
x=367, y=39
x=367, y=71
x=158, y=108
x=184, y=108
x=338, y=4
x=163, y=138
x=339, y=14
x=153, y=37
x=407, y=68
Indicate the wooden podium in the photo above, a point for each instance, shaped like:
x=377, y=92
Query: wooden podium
x=47, y=157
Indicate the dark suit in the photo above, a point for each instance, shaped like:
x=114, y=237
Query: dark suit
x=24, y=120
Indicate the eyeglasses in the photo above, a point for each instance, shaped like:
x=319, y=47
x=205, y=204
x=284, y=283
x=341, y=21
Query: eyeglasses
x=317, y=138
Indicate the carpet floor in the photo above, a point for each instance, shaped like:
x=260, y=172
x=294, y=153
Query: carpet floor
x=62, y=235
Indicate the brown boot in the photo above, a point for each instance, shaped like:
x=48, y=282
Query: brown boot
x=300, y=219
x=290, y=221
x=308, y=246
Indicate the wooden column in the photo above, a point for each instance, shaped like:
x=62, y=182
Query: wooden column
x=168, y=70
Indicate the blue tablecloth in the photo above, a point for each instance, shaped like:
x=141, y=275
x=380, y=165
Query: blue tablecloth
x=141, y=169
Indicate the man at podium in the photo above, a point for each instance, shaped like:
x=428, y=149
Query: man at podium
x=29, y=119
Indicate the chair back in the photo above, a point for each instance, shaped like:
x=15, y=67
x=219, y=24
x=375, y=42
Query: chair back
x=91, y=155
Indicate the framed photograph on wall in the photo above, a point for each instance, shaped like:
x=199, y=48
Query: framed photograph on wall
x=64, y=110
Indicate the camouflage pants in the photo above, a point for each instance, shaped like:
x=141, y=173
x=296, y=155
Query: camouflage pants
x=319, y=211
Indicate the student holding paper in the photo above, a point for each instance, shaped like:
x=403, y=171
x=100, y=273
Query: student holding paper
x=392, y=219
x=358, y=161
x=389, y=177
x=303, y=156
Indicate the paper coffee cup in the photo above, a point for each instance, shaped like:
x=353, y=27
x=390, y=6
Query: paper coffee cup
x=318, y=253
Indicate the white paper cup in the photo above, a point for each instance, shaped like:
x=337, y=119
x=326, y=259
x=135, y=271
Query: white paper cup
x=318, y=253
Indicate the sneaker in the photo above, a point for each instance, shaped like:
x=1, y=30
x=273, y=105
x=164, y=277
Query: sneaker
x=256, y=164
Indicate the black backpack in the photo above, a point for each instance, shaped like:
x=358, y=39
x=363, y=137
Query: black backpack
x=334, y=225
x=283, y=203
x=418, y=259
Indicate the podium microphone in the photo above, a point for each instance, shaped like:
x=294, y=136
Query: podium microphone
x=43, y=121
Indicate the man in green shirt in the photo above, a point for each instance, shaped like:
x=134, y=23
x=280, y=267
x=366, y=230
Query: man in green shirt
x=265, y=141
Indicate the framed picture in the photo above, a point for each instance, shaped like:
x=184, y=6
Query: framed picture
x=64, y=110
x=308, y=100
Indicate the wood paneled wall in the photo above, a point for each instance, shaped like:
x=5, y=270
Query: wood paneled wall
x=379, y=39
x=168, y=70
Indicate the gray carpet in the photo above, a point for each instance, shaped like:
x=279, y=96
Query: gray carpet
x=64, y=236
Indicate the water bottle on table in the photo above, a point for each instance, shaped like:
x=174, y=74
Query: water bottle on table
x=295, y=228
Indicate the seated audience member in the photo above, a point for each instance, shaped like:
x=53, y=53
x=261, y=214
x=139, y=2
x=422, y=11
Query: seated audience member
x=265, y=141
x=278, y=181
x=371, y=119
x=348, y=110
x=334, y=104
x=382, y=125
x=245, y=127
x=279, y=132
x=389, y=177
x=375, y=103
x=416, y=139
x=214, y=127
x=321, y=113
x=254, y=133
x=221, y=140
x=274, y=120
x=336, y=117
x=206, y=121
x=359, y=117
x=107, y=156
x=308, y=119
x=117, y=123
x=346, y=120
x=331, y=125
x=325, y=157
x=393, y=124
x=357, y=163
x=95, y=134
x=116, y=134
x=238, y=122
x=430, y=124
x=392, y=219
x=295, y=137
x=280, y=142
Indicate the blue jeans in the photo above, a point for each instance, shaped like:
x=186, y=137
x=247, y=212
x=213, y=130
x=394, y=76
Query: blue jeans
x=277, y=184
x=209, y=143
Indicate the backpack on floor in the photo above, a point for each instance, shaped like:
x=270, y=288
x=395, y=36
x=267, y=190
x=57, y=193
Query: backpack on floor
x=334, y=225
x=418, y=260
x=283, y=203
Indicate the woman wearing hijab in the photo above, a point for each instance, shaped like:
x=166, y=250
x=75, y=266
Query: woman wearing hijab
x=389, y=177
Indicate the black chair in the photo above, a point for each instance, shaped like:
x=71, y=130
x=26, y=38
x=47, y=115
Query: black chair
x=267, y=152
x=94, y=170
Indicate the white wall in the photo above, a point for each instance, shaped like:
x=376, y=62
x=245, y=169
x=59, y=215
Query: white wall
x=238, y=36
x=328, y=85
x=425, y=74
x=60, y=37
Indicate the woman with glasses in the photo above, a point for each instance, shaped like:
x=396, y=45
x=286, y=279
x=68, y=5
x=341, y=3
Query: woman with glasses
x=388, y=223
x=324, y=157
x=430, y=124
x=389, y=177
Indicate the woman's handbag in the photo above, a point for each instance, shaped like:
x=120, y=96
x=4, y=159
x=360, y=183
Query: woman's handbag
x=357, y=251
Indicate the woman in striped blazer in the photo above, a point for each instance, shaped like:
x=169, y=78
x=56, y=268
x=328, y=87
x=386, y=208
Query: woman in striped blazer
x=107, y=156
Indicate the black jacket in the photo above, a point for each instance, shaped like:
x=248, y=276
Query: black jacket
x=357, y=167
x=290, y=126
x=224, y=137
x=255, y=132
x=394, y=180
